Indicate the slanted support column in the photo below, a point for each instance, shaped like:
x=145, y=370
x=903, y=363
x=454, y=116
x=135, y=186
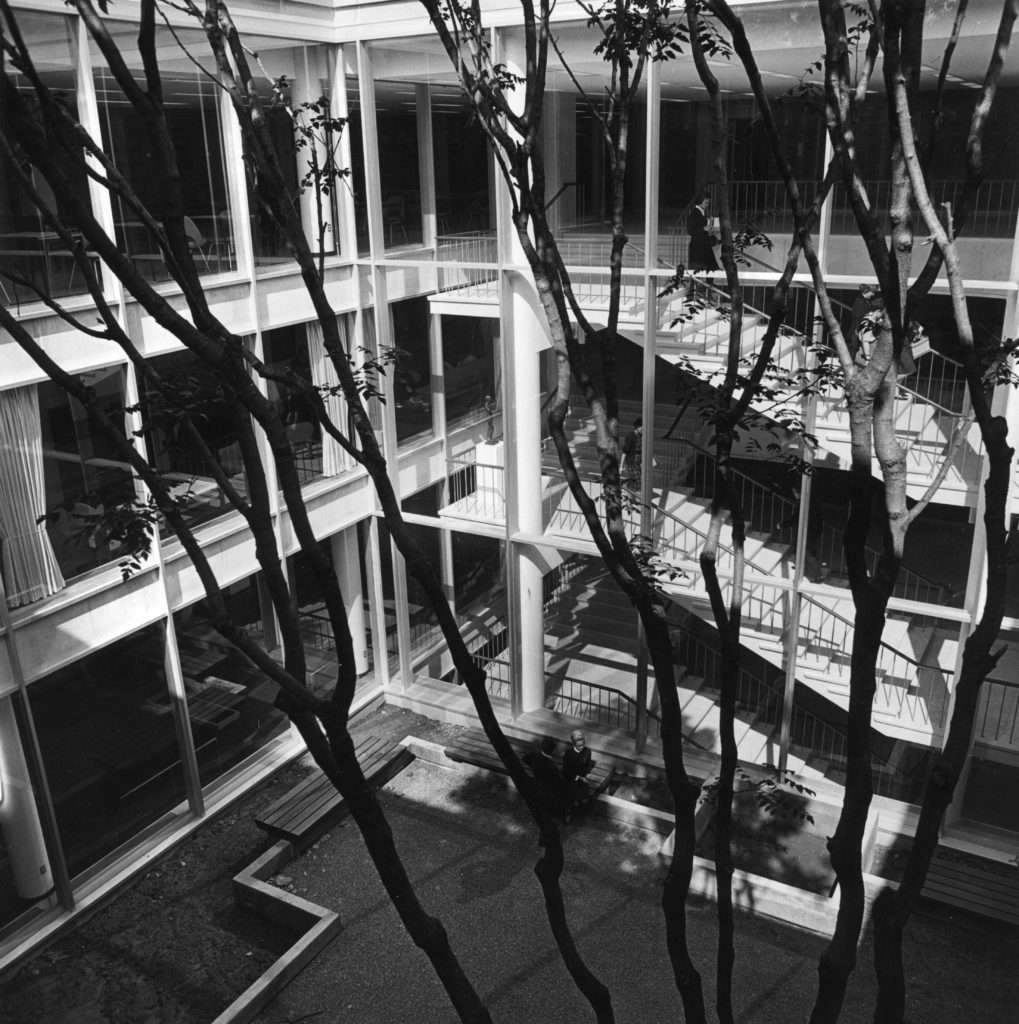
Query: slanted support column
x=346, y=554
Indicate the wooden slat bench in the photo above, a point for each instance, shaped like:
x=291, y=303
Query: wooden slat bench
x=314, y=805
x=979, y=886
x=473, y=748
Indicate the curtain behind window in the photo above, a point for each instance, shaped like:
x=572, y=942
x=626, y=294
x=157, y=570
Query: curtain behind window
x=30, y=565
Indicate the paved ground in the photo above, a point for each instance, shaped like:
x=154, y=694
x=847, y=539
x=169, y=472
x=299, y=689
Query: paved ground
x=471, y=850
x=173, y=949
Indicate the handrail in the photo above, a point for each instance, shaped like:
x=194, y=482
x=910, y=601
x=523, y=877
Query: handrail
x=778, y=691
x=625, y=698
x=693, y=529
x=830, y=613
x=874, y=553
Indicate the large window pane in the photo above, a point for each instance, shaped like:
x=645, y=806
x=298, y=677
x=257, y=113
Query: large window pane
x=985, y=245
x=187, y=383
x=399, y=179
x=193, y=115
x=109, y=745
x=468, y=369
x=85, y=475
x=286, y=351
x=412, y=373
x=230, y=703
x=356, y=180
x=29, y=248
x=461, y=165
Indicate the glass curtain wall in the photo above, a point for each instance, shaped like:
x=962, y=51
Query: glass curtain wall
x=29, y=247
x=193, y=114
x=85, y=476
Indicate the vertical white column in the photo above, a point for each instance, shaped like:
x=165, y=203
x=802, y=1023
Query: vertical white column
x=426, y=162
x=523, y=336
x=347, y=564
x=651, y=170
x=19, y=817
x=523, y=329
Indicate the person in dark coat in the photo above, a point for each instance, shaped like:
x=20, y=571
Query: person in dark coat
x=547, y=776
x=630, y=463
x=577, y=764
x=702, y=255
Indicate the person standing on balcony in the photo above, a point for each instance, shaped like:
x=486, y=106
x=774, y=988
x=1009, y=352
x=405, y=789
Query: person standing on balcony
x=702, y=253
x=630, y=462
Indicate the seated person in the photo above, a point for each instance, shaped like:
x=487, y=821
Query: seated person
x=550, y=782
x=577, y=764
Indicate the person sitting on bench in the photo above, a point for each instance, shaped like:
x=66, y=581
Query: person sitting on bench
x=550, y=781
x=577, y=764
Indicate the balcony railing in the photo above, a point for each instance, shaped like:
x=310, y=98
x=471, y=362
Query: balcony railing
x=476, y=489
x=998, y=720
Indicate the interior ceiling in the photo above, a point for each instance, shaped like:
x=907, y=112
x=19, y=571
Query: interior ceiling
x=786, y=39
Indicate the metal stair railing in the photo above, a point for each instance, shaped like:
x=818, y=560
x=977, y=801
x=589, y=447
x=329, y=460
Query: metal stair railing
x=808, y=731
x=768, y=510
x=831, y=636
x=999, y=714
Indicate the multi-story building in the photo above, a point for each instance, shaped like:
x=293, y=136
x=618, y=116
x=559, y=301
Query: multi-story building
x=125, y=720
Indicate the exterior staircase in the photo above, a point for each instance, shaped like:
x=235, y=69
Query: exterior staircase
x=591, y=643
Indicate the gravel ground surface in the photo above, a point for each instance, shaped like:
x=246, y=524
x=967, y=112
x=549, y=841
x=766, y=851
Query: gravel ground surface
x=171, y=949
x=471, y=850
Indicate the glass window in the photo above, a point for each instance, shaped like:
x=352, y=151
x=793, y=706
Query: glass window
x=413, y=369
x=186, y=382
x=356, y=179
x=468, y=369
x=985, y=244
x=399, y=178
x=29, y=248
x=267, y=241
x=461, y=166
x=193, y=110
x=230, y=703
x=286, y=351
x=109, y=745
x=85, y=475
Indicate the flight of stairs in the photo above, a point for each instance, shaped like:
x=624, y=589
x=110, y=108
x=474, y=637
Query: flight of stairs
x=592, y=637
